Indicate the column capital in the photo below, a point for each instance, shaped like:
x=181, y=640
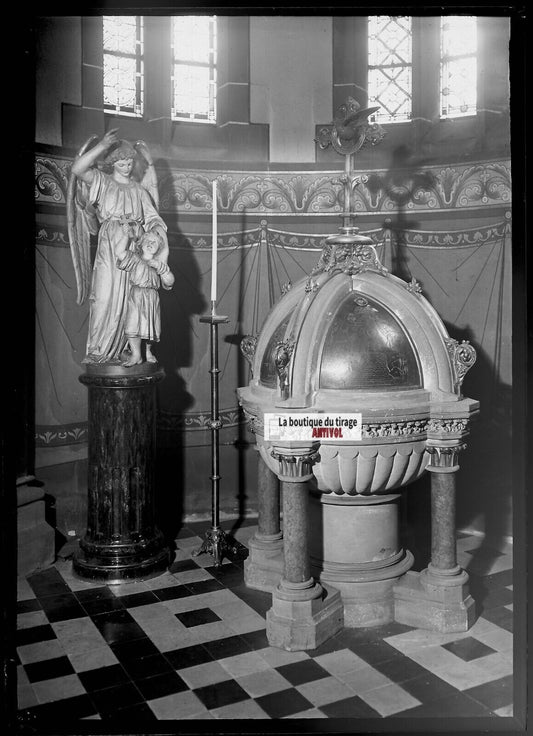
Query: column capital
x=443, y=457
x=295, y=464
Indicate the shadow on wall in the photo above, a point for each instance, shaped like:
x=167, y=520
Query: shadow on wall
x=405, y=181
x=242, y=443
x=484, y=480
x=180, y=490
x=174, y=352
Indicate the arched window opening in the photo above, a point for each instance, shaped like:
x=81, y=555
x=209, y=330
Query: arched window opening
x=193, y=78
x=458, y=66
x=123, y=65
x=390, y=67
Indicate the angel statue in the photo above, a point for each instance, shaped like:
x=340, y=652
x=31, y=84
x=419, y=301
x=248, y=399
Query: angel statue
x=104, y=203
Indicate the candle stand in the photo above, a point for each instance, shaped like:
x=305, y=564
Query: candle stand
x=216, y=542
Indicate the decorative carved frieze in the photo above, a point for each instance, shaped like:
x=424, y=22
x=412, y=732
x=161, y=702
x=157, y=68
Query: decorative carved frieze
x=56, y=436
x=457, y=238
x=51, y=179
x=56, y=236
x=375, y=430
x=394, y=429
x=447, y=426
x=303, y=193
x=197, y=421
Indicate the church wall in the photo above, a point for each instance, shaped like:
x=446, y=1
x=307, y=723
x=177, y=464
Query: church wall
x=57, y=74
x=276, y=203
x=291, y=72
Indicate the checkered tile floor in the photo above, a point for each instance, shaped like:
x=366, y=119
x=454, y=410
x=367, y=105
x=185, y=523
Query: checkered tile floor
x=191, y=644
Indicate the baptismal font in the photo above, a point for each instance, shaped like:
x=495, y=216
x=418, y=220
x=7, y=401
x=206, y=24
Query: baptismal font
x=353, y=339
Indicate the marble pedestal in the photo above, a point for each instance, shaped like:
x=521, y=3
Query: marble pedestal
x=122, y=542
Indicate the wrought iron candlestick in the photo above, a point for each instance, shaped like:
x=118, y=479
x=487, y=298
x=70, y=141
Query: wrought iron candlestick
x=216, y=542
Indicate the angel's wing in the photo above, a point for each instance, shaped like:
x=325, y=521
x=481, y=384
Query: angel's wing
x=149, y=180
x=82, y=223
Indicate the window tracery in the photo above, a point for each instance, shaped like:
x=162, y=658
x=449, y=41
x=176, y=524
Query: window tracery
x=390, y=67
x=123, y=76
x=458, y=66
x=194, y=48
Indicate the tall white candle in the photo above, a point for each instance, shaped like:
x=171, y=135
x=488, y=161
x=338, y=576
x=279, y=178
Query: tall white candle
x=214, y=246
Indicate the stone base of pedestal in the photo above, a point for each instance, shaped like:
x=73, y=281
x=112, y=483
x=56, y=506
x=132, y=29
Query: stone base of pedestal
x=121, y=563
x=263, y=567
x=425, y=602
x=302, y=625
x=367, y=591
x=355, y=547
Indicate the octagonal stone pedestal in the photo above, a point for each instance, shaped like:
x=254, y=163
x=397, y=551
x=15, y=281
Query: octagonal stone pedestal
x=436, y=603
x=354, y=546
x=301, y=625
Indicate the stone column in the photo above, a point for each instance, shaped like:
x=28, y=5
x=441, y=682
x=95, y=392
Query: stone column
x=304, y=614
x=443, y=466
x=297, y=583
x=443, y=546
x=122, y=542
x=444, y=580
x=268, y=502
x=263, y=567
x=438, y=598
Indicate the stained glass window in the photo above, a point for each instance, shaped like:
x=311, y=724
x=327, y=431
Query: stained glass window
x=194, y=48
x=458, y=67
x=123, y=65
x=390, y=67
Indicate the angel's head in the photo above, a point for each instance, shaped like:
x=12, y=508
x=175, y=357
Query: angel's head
x=121, y=157
x=149, y=244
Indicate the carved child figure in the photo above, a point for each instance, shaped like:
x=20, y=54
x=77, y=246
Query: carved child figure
x=147, y=274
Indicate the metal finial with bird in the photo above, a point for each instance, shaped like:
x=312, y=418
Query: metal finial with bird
x=350, y=129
